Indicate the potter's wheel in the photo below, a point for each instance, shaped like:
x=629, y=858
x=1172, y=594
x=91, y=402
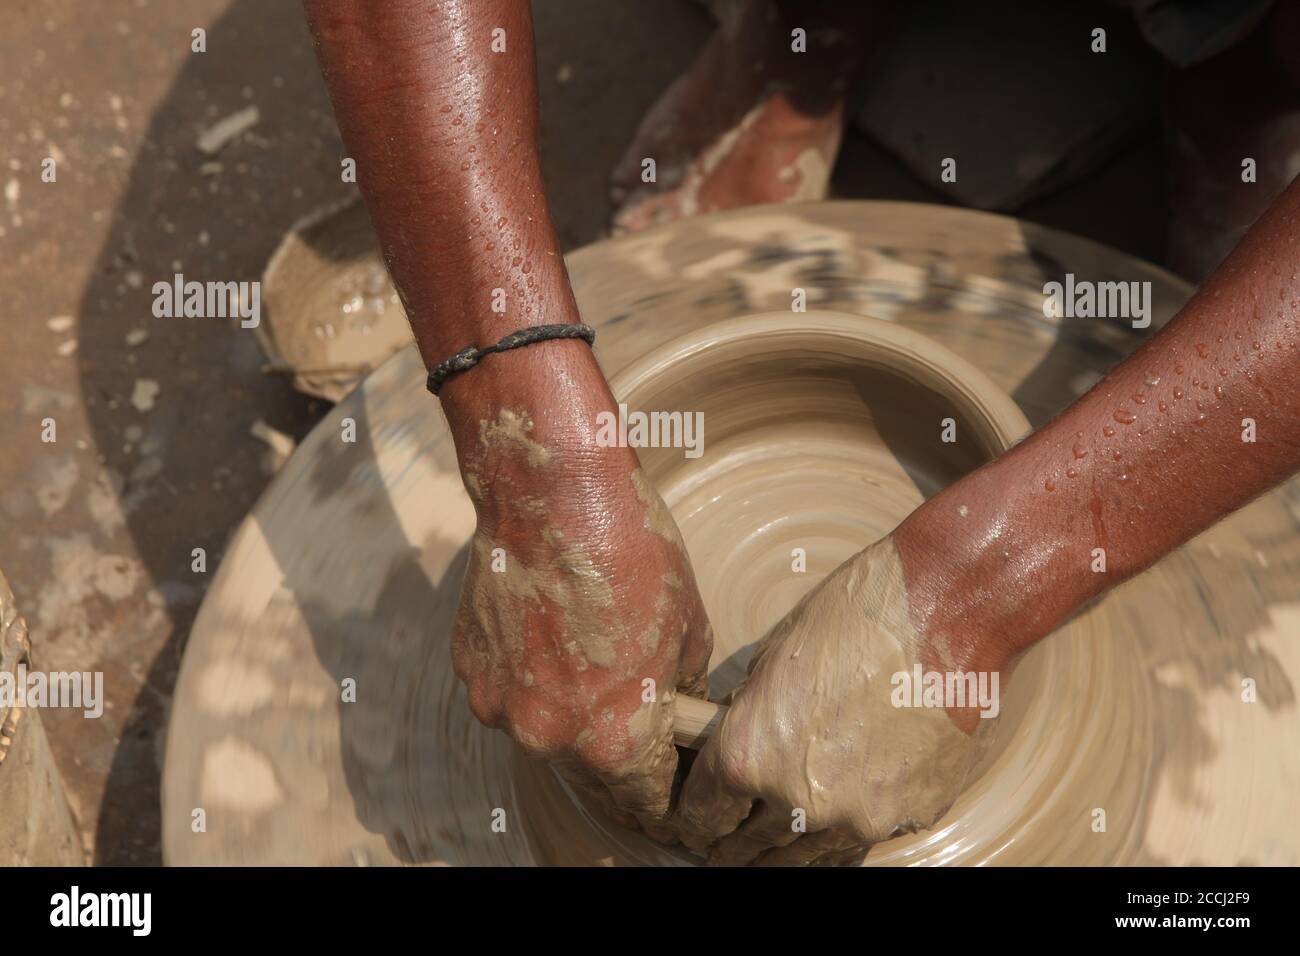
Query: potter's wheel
x=349, y=567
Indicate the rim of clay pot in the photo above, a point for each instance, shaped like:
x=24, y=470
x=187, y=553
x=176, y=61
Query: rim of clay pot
x=1004, y=787
x=876, y=342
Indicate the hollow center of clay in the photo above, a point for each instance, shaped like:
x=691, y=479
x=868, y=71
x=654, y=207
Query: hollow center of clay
x=809, y=457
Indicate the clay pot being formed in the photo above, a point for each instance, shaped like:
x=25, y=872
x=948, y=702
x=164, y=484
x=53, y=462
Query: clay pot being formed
x=1128, y=737
x=821, y=431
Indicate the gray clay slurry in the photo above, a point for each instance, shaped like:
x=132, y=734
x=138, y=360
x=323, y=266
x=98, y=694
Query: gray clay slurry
x=350, y=567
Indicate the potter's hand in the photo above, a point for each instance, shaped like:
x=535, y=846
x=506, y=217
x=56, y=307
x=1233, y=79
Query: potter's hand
x=813, y=762
x=579, y=618
x=576, y=642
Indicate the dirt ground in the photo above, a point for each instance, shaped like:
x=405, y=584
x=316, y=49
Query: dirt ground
x=154, y=455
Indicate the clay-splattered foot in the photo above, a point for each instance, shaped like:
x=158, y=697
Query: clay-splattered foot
x=773, y=154
x=756, y=119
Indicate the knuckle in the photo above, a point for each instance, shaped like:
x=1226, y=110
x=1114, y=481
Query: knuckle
x=484, y=702
x=734, y=768
x=536, y=734
x=471, y=651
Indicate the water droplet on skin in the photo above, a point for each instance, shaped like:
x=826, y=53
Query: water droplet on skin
x=1079, y=451
x=1236, y=335
x=1049, y=484
x=1152, y=380
x=1108, y=431
x=1124, y=416
x=1179, y=369
x=1071, y=473
x=1255, y=346
x=1178, y=393
x=527, y=268
x=1139, y=399
x=1218, y=391
x=1200, y=419
x=1163, y=407
x=1223, y=372
x=1202, y=350
x=1123, y=479
x=1116, y=455
x=444, y=109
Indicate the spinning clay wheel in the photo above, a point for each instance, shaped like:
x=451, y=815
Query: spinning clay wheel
x=820, y=434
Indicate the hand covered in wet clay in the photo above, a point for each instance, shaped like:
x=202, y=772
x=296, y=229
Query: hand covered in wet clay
x=579, y=616
x=580, y=619
x=813, y=762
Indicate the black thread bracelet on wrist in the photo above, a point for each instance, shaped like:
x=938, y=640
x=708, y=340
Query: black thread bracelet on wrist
x=470, y=356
